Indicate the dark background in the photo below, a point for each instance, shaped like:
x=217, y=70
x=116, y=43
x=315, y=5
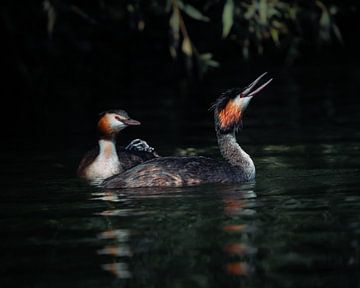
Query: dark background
x=54, y=87
x=297, y=226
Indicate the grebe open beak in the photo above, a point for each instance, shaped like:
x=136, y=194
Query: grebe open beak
x=248, y=91
x=131, y=122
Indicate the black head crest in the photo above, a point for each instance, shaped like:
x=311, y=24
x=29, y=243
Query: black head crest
x=115, y=111
x=225, y=97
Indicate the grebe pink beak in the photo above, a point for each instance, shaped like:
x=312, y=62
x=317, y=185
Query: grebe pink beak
x=248, y=91
x=130, y=122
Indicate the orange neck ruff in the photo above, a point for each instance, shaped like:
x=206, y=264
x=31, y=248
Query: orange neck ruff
x=230, y=114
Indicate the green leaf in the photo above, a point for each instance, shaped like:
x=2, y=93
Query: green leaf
x=168, y=5
x=251, y=11
x=192, y=12
x=245, y=49
x=228, y=17
x=174, y=23
x=81, y=13
x=212, y=63
x=207, y=60
x=293, y=12
x=186, y=46
x=173, y=52
x=325, y=20
x=51, y=16
x=206, y=56
x=337, y=33
x=263, y=8
x=325, y=25
x=275, y=35
x=130, y=8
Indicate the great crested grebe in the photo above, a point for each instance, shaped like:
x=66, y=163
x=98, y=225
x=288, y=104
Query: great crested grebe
x=108, y=159
x=183, y=171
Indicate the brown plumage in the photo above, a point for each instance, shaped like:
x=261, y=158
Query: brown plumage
x=176, y=171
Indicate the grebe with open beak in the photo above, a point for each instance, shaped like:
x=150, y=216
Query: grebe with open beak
x=182, y=171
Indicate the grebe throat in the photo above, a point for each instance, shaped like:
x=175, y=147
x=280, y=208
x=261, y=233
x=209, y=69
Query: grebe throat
x=235, y=155
x=106, y=164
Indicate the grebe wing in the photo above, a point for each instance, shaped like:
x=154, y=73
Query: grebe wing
x=132, y=158
x=172, y=171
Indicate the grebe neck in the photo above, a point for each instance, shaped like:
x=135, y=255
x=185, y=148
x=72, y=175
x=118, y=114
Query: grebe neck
x=106, y=163
x=234, y=154
x=107, y=148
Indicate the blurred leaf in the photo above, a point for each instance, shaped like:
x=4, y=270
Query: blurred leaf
x=130, y=8
x=228, y=17
x=279, y=25
x=80, y=12
x=205, y=62
x=324, y=22
x=51, y=16
x=212, y=63
x=192, y=11
x=293, y=11
x=174, y=23
x=168, y=5
x=206, y=56
x=325, y=19
x=337, y=33
x=186, y=47
x=275, y=36
x=141, y=25
x=333, y=10
x=173, y=52
x=261, y=23
x=273, y=12
x=250, y=12
x=245, y=49
x=263, y=12
x=327, y=24
x=293, y=52
x=207, y=59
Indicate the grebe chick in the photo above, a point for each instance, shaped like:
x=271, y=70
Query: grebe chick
x=108, y=159
x=183, y=171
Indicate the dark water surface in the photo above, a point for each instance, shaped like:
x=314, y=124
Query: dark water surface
x=297, y=225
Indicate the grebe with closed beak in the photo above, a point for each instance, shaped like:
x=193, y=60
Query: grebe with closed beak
x=184, y=171
x=108, y=159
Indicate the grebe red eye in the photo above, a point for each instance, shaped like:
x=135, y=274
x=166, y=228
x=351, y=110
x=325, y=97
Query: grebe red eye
x=118, y=118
